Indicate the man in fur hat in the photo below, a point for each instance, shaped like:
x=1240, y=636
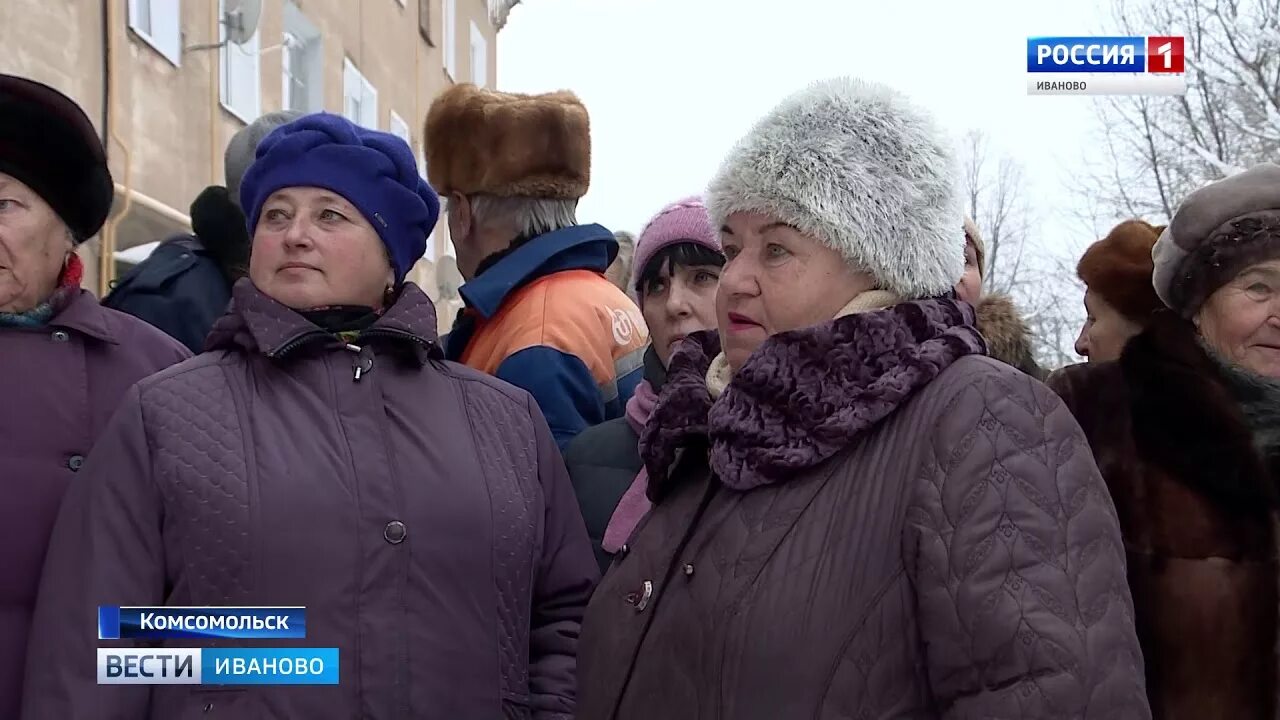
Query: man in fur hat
x=539, y=312
x=1008, y=337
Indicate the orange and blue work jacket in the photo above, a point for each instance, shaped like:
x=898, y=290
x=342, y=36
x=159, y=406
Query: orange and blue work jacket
x=544, y=318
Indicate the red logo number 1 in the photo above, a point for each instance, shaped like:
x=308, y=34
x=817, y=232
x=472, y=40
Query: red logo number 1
x=1164, y=54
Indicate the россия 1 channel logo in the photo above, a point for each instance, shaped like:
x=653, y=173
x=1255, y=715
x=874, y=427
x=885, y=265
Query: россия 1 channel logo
x=1143, y=65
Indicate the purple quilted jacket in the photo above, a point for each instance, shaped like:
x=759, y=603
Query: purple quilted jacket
x=419, y=510
x=873, y=522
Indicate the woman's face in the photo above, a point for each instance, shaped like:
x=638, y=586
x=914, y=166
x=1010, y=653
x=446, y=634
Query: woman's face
x=678, y=301
x=969, y=289
x=1106, y=330
x=312, y=249
x=1241, y=320
x=34, y=245
x=777, y=279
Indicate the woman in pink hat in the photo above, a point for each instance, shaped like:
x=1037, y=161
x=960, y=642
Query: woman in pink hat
x=674, y=273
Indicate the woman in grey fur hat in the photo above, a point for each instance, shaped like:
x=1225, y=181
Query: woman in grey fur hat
x=1185, y=426
x=856, y=511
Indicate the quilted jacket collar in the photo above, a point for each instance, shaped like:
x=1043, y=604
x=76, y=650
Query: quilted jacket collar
x=258, y=323
x=803, y=395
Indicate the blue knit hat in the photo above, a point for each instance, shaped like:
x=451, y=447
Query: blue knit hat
x=375, y=171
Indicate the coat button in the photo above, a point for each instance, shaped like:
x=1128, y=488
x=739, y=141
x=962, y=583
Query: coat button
x=60, y=336
x=75, y=462
x=394, y=532
x=688, y=569
x=622, y=551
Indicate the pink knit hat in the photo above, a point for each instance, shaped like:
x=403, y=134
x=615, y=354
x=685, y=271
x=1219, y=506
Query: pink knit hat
x=680, y=222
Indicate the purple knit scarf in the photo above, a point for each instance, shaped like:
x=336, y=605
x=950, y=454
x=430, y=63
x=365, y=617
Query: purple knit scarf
x=803, y=395
x=635, y=501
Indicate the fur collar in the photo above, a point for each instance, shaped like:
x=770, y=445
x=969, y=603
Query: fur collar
x=1007, y=335
x=1195, y=418
x=1259, y=400
x=803, y=395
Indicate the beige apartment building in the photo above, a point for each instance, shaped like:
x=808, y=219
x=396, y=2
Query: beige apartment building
x=169, y=81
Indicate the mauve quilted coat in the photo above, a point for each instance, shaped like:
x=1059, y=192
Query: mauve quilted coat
x=421, y=513
x=891, y=525
x=59, y=386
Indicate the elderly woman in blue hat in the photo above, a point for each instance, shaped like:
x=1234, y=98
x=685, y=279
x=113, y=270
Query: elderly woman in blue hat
x=323, y=454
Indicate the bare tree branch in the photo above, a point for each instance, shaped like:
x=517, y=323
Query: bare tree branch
x=1157, y=150
x=1042, y=285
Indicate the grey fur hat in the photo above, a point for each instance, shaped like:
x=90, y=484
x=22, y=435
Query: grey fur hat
x=244, y=146
x=862, y=169
x=1217, y=231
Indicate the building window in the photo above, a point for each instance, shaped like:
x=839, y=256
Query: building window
x=359, y=99
x=157, y=23
x=479, y=57
x=302, y=62
x=451, y=38
x=241, y=75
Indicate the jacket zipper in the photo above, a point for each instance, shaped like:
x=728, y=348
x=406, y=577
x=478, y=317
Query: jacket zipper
x=387, y=332
x=297, y=342
x=364, y=360
x=364, y=357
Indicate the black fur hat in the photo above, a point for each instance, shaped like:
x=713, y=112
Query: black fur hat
x=48, y=144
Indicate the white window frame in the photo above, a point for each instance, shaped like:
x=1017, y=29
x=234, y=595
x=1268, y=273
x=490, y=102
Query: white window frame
x=451, y=38
x=400, y=128
x=290, y=45
x=240, y=74
x=163, y=27
x=302, y=43
x=479, y=56
x=352, y=80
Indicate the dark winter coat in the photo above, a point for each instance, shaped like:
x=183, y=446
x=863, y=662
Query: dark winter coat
x=1191, y=453
x=603, y=462
x=873, y=521
x=179, y=289
x=418, y=509
x=59, y=384
x=185, y=284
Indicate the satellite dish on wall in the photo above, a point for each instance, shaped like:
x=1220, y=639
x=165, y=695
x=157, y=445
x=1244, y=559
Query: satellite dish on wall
x=241, y=18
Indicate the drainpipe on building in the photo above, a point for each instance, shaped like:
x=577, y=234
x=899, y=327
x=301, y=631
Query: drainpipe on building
x=106, y=71
x=215, y=22
x=107, y=238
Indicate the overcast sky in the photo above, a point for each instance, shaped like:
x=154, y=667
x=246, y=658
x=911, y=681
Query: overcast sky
x=672, y=84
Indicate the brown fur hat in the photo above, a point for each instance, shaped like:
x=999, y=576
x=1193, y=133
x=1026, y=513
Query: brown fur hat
x=506, y=144
x=1118, y=267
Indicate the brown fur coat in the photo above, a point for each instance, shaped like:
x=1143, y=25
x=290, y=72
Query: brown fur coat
x=1190, y=454
x=1007, y=335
